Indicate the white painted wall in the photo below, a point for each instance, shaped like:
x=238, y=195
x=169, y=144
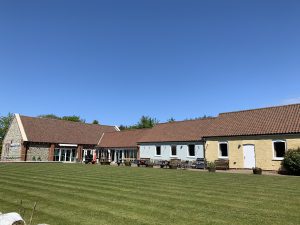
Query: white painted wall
x=149, y=151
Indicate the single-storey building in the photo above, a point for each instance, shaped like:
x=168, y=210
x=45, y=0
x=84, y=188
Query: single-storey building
x=246, y=139
x=43, y=139
x=175, y=140
x=254, y=138
x=120, y=146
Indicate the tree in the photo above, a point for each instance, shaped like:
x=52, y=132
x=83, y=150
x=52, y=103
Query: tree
x=144, y=122
x=50, y=116
x=68, y=118
x=122, y=127
x=95, y=122
x=73, y=118
x=4, y=125
x=200, y=117
x=171, y=120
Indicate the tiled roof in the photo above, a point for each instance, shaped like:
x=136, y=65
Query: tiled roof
x=122, y=139
x=190, y=130
x=263, y=121
x=61, y=131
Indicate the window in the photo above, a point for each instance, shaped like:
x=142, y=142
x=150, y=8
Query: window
x=191, y=150
x=173, y=150
x=64, y=155
x=73, y=155
x=158, y=150
x=279, y=149
x=223, y=150
x=56, y=155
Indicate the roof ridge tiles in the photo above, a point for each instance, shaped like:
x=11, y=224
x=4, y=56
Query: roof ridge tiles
x=262, y=108
x=189, y=120
x=67, y=121
x=137, y=129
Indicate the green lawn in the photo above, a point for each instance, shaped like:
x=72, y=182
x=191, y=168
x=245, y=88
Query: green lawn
x=91, y=194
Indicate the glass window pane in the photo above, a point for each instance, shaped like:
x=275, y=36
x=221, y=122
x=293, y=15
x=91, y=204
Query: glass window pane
x=279, y=148
x=223, y=149
x=191, y=150
x=63, y=155
x=174, y=150
x=158, y=150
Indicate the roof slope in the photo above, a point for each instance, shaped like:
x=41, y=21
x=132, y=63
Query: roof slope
x=61, y=131
x=272, y=120
x=190, y=130
x=263, y=121
x=122, y=139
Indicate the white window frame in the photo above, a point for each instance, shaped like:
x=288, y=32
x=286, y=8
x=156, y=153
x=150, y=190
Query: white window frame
x=188, y=151
x=156, y=150
x=273, y=149
x=174, y=156
x=219, y=150
x=65, y=154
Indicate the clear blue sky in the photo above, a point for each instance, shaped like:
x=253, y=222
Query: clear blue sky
x=117, y=60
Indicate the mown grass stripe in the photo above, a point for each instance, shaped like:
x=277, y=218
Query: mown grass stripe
x=144, y=208
x=197, y=193
x=139, y=195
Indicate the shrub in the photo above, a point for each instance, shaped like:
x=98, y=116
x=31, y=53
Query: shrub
x=33, y=158
x=127, y=163
x=211, y=166
x=39, y=158
x=173, y=164
x=291, y=161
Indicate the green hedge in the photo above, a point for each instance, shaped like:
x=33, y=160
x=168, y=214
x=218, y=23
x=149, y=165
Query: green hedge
x=291, y=161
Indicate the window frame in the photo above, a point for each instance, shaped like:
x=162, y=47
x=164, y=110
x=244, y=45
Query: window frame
x=171, y=153
x=188, y=151
x=273, y=149
x=156, y=150
x=219, y=150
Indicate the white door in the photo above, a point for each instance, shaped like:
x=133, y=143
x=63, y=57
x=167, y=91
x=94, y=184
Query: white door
x=249, y=156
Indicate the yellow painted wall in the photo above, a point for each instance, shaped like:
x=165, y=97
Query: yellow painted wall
x=263, y=149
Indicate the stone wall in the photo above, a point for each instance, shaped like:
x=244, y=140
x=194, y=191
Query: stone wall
x=11, y=149
x=37, y=152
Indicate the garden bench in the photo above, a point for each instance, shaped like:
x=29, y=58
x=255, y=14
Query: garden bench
x=222, y=164
x=143, y=162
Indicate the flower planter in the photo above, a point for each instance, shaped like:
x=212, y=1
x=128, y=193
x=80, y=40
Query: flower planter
x=212, y=170
x=211, y=167
x=174, y=167
x=127, y=163
x=257, y=171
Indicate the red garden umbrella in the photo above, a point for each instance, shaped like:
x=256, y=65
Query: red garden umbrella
x=94, y=156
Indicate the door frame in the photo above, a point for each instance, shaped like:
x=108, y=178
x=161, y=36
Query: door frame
x=244, y=155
